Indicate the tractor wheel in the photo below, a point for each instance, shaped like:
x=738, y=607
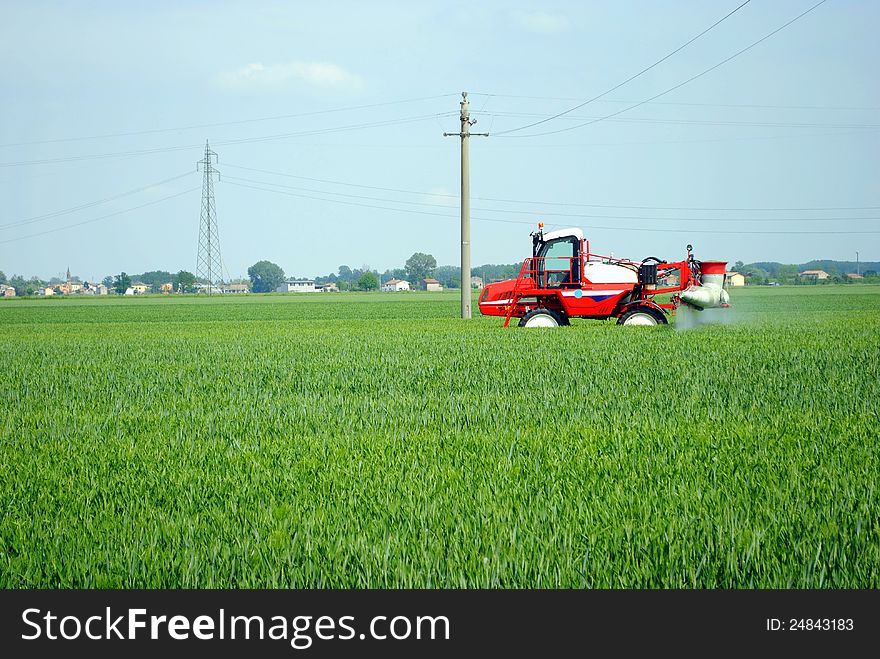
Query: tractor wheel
x=642, y=316
x=541, y=318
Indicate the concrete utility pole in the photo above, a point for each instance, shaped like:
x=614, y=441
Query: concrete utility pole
x=858, y=271
x=465, y=133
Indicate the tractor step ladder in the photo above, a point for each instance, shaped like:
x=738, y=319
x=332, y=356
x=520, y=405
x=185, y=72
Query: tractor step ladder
x=515, y=293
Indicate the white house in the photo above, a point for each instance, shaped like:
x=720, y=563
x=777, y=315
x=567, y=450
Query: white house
x=393, y=285
x=298, y=286
x=735, y=279
x=6, y=291
x=432, y=284
x=235, y=289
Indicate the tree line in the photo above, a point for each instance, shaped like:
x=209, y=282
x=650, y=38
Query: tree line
x=265, y=277
x=771, y=272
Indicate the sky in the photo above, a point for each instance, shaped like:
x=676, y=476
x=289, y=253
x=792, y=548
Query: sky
x=328, y=122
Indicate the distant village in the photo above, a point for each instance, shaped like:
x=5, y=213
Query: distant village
x=420, y=272
x=76, y=286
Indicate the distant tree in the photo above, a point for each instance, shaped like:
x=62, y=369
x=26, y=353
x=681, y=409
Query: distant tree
x=368, y=281
x=265, y=276
x=24, y=286
x=108, y=281
x=394, y=273
x=787, y=274
x=755, y=276
x=184, y=281
x=345, y=273
x=2, y=277
x=448, y=275
x=739, y=266
x=500, y=271
x=121, y=282
x=420, y=266
x=154, y=278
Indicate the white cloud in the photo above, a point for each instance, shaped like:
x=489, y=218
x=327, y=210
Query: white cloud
x=317, y=74
x=540, y=21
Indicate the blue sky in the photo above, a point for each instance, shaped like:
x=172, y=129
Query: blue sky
x=792, y=123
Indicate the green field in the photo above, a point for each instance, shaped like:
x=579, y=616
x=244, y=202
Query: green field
x=377, y=441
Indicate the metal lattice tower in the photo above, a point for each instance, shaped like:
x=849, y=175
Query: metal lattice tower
x=208, y=262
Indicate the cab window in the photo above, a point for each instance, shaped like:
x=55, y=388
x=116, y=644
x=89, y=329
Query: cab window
x=560, y=264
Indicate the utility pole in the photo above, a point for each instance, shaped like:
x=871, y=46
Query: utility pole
x=465, y=133
x=857, y=264
x=208, y=262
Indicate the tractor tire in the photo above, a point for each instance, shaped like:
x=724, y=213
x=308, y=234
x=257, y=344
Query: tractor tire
x=541, y=318
x=642, y=316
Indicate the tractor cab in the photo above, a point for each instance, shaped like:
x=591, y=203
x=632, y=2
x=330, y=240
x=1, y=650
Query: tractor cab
x=557, y=258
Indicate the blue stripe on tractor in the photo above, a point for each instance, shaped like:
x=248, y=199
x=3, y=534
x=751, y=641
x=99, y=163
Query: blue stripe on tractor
x=600, y=298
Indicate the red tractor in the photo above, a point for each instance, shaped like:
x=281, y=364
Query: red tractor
x=564, y=280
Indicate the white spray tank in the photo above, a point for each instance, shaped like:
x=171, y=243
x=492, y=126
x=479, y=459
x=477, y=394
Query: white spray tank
x=710, y=293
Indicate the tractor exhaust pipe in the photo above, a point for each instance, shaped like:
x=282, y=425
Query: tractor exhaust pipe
x=710, y=293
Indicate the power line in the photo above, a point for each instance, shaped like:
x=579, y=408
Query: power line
x=244, y=140
x=334, y=129
x=865, y=130
x=698, y=122
x=354, y=203
x=679, y=85
x=219, y=124
x=686, y=104
x=631, y=78
x=48, y=216
x=334, y=182
x=556, y=214
x=615, y=228
x=715, y=140
x=96, y=219
x=551, y=203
